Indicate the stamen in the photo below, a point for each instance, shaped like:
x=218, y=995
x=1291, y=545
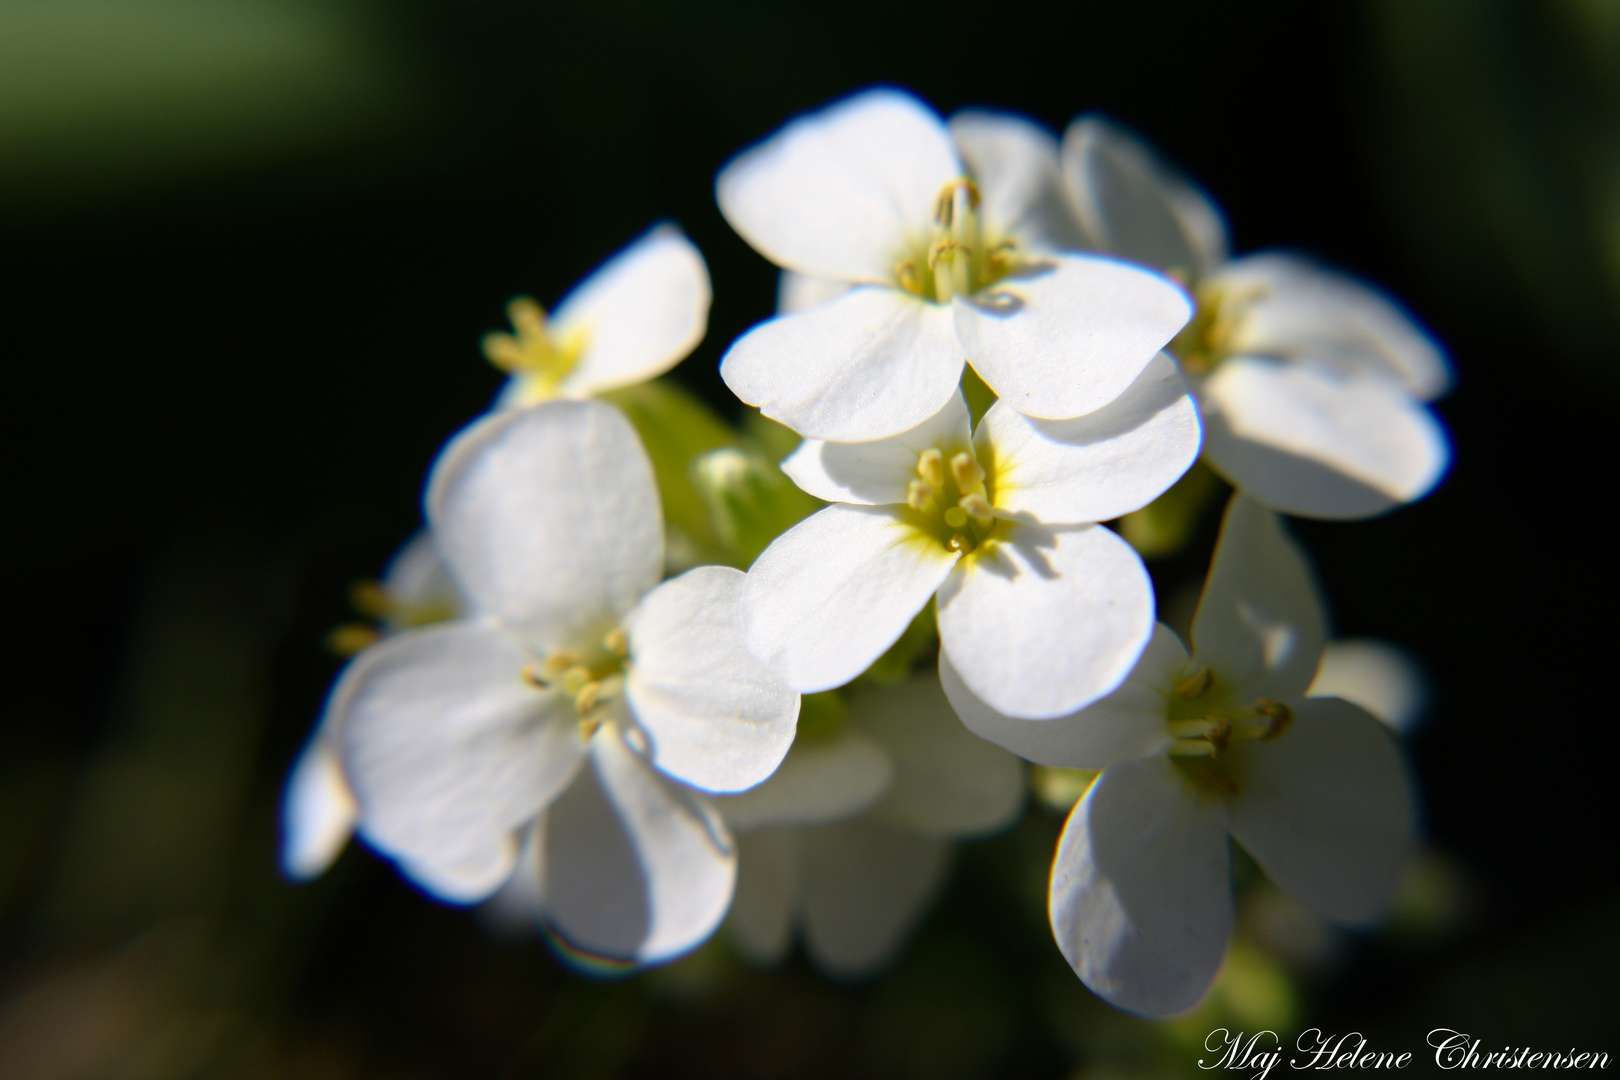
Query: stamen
x=918, y=492
x=370, y=599
x=945, y=201
x=1194, y=684
x=532, y=675
x=968, y=472
x=1191, y=748
x=956, y=517
x=957, y=542
x=558, y=662
x=906, y=275
x=528, y=317
x=617, y=642
x=931, y=467
x=589, y=696
x=1279, y=717
x=574, y=679
x=978, y=508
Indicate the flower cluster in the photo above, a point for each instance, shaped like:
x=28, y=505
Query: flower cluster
x=991, y=343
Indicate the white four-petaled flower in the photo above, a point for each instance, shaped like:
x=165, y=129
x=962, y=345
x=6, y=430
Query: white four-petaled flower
x=950, y=239
x=1193, y=750
x=638, y=315
x=586, y=702
x=1039, y=609
x=1312, y=384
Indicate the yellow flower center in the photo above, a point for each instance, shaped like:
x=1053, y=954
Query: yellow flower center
x=1213, y=331
x=533, y=354
x=591, y=679
x=1210, y=728
x=958, y=255
x=948, y=501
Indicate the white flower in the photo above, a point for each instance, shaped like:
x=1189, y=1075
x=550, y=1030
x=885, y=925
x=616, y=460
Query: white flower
x=1040, y=610
x=949, y=245
x=1312, y=383
x=318, y=811
x=1191, y=751
x=585, y=695
x=1380, y=676
x=638, y=315
x=851, y=838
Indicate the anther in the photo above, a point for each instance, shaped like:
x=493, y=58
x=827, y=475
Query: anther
x=918, y=492
x=957, y=542
x=617, y=641
x=558, y=662
x=574, y=679
x=1279, y=717
x=968, y=473
x=532, y=675
x=906, y=275
x=1194, y=684
x=978, y=508
x=1220, y=735
x=931, y=467
x=945, y=201
x=370, y=599
x=940, y=249
x=956, y=517
x=587, y=698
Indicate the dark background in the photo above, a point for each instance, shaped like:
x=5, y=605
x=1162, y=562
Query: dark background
x=240, y=315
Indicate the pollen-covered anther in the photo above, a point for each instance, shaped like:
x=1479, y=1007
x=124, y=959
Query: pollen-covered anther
x=1194, y=683
x=945, y=201
x=940, y=249
x=574, y=679
x=617, y=642
x=535, y=676
x=1279, y=717
x=966, y=471
x=918, y=492
x=978, y=508
x=931, y=467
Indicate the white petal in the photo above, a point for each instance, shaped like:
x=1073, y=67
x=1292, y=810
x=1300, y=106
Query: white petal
x=549, y=518
x=419, y=585
x=1310, y=440
x=821, y=780
x=714, y=716
x=1327, y=809
x=760, y=923
x=1095, y=467
x=865, y=888
x=1128, y=723
x=515, y=910
x=795, y=292
x=449, y=751
x=838, y=193
x=833, y=592
x=1260, y=624
x=874, y=473
x=1015, y=164
x=637, y=867
x=1381, y=677
x=1069, y=334
x=867, y=365
x=638, y=315
x=946, y=781
x=1141, y=901
x=318, y=811
x=1137, y=206
x=1049, y=620
x=1307, y=310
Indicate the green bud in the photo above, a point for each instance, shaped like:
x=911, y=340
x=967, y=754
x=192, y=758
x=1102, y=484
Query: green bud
x=750, y=501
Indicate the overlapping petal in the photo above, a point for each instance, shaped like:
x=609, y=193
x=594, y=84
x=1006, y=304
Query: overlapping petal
x=637, y=316
x=760, y=922
x=1260, y=624
x=869, y=364
x=1140, y=898
x=946, y=782
x=837, y=193
x=1067, y=334
x=877, y=472
x=1127, y=723
x=1046, y=620
x=318, y=812
x=1015, y=163
x=715, y=717
x=1301, y=309
x=637, y=867
x=865, y=887
x=1134, y=205
x=1095, y=467
x=549, y=519
x=820, y=780
x=448, y=750
x=833, y=592
x=1328, y=810
x=1379, y=676
x=1310, y=440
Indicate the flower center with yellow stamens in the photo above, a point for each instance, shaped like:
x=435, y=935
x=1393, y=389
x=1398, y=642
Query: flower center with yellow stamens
x=537, y=358
x=592, y=680
x=948, y=501
x=1208, y=726
x=1213, y=332
x=958, y=255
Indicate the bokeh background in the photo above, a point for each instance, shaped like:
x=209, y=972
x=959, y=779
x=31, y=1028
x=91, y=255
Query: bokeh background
x=247, y=250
